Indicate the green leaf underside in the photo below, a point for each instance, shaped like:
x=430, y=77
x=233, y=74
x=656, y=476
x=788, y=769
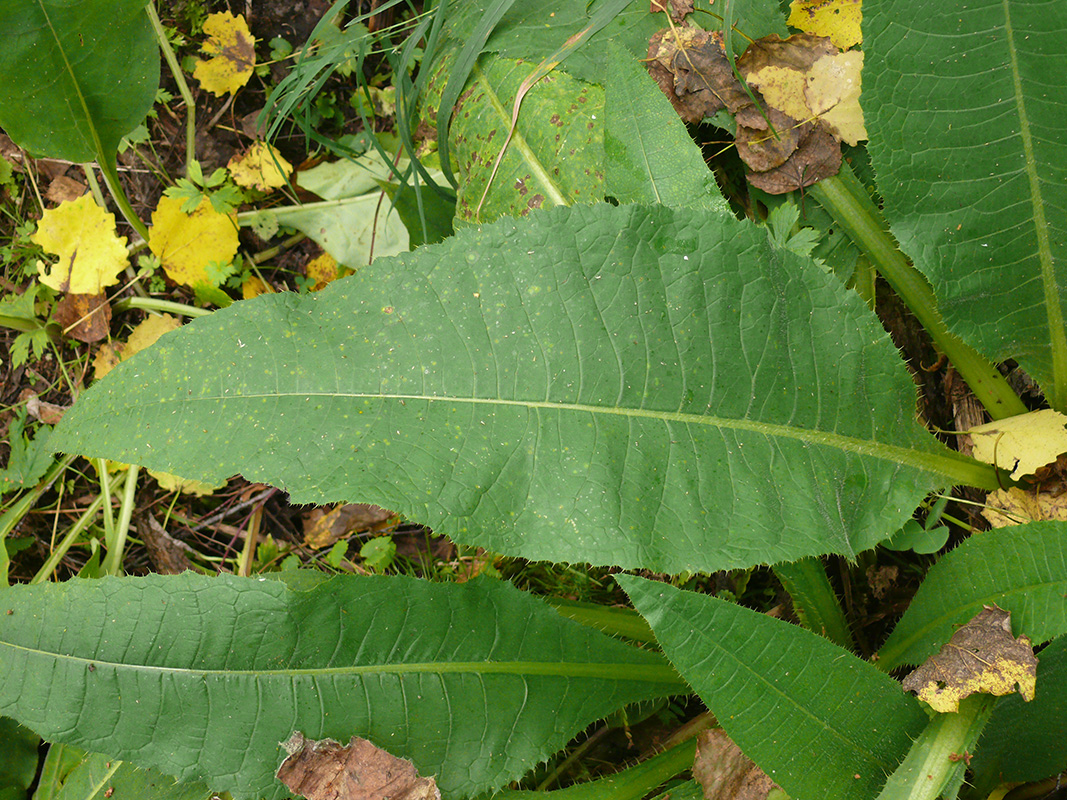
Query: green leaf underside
x=819, y=721
x=1022, y=569
x=1025, y=747
x=66, y=90
x=966, y=127
x=555, y=156
x=629, y=386
x=203, y=677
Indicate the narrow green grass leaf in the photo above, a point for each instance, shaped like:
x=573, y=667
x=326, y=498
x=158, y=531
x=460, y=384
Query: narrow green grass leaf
x=626, y=386
x=75, y=77
x=203, y=678
x=966, y=117
x=1022, y=569
x=819, y=721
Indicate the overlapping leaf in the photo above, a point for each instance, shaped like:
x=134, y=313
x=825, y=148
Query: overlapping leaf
x=204, y=677
x=966, y=125
x=635, y=386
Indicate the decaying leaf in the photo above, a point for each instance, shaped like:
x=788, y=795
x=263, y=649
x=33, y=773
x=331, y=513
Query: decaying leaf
x=1017, y=506
x=725, y=773
x=145, y=334
x=839, y=20
x=187, y=243
x=806, y=96
x=85, y=317
x=324, y=271
x=326, y=770
x=323, y=527
x=232, y=54
x=981, y=657
x=261, y=167
x=91, y=255
x=678, y=9
x=1022, y=444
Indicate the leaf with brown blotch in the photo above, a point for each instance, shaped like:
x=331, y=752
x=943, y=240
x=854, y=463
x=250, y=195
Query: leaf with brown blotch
x=982, y=656
x=327, y=770
x=85, y=317
x=691, y=67
x=725, y=773
x=817, y=156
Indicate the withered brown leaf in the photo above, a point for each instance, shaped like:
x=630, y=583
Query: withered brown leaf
x=982, y=656
x=325, y=769
x=725, y=773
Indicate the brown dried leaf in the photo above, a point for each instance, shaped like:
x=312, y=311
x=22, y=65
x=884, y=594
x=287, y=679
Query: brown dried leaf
x=326, y=770
x=691, y=67
x=85, y=317
x=817, y=156
x=323, y=527
x=799, y=51
x=678, y=8
x=759, y=147
x=980, y=657
x=725, y=772
x=168, y=555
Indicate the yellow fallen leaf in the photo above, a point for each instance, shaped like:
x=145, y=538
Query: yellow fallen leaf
x=145, y=334
x=262, y=168
x=833, y=94
x=323, y=270
x=1015, y=506
x=232, y=51
x=174, y=483
x=187, y=243
x=837, y=19
x=254, y=286
x=1022, y=444
x=783, y=88
x=91, y=254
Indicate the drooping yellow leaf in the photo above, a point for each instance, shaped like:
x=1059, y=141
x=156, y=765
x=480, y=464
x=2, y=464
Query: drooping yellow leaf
x=174, y=483
x=187, y=243
x=232, y=51
x=262, y=168
x=833, y=94
x=838, y=19
x=1022, y=444
x=323, y=270
x=91, y=254
x=144, y=335
x=254, y=286
x=783, y=88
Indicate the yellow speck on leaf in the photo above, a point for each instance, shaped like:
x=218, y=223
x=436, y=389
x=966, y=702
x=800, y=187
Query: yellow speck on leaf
x=187, y=243
x=144, y=335
x=262, y=168
x=232, y=54
x=91, y=254
x=837, y=19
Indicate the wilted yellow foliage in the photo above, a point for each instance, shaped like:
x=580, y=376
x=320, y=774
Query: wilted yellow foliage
x=837, y=19
x=232, y=51
x=323, y=270
x=91, y=255
x=262, y=168
x=254, y=286
x=174, y=483
x=187, y=243
x=1023, y=443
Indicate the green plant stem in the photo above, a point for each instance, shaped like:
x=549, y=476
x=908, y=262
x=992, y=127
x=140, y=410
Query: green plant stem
x=179, y=79
x=105, y=492
x=814, y=600
x=111, y=177
x=162, y=306
x=938, y=756
x=846, y=200
x=113, y=562
x=71, y=536
x=22, y=506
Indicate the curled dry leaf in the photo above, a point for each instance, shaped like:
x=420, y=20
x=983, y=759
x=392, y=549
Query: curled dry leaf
x=322, y=527
x=725, y=773
x=326, y=770
x=981, y=657
x=85, y=317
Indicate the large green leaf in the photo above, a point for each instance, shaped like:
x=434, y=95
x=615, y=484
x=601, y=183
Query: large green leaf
x=1023, y=744
x=633, y=386
x=203, y=677
x=1022, y=569
x=18, y=759
x=965, y=110
x=819, y=721
x=75, y=75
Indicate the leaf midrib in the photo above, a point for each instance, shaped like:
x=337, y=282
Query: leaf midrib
x=649, y=673
x=1053, y=309
x=947, y=464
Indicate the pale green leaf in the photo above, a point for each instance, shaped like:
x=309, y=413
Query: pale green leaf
x=203, y=678
x=99, y=777
x=818, y=720
x=965, y=111
x=1022, y=569
x=629, y=386
x=68, y=89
